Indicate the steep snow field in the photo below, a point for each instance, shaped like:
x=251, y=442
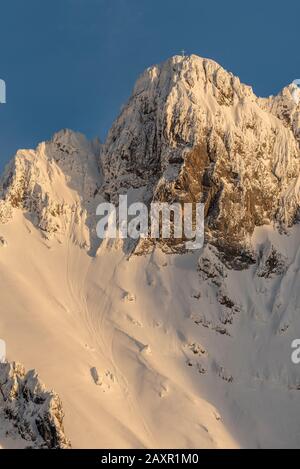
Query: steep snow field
x=135, y=349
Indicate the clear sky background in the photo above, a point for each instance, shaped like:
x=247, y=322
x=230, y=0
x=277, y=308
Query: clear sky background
x=73, y=63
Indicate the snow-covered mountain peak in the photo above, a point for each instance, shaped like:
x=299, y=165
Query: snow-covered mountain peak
x=191, y=72
x=192, y=131
x=56, y=185
x=286, y=106
x=74, y=142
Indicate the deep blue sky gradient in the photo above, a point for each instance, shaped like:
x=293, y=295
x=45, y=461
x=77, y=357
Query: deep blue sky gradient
x=73, y=63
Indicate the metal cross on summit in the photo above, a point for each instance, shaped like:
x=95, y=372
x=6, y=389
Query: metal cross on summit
x=183, y=52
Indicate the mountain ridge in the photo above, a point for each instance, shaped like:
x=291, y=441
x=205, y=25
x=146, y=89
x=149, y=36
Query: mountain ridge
x=190, y=131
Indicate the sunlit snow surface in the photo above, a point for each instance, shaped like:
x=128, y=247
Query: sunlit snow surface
x=164, y=379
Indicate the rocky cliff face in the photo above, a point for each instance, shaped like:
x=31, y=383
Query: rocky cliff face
x=28, y=412
x=192, y=132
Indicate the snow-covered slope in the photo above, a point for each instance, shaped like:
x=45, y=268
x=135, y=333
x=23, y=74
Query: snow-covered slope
x=190, y=349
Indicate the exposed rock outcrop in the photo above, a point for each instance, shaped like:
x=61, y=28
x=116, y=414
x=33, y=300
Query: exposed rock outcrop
x=28, y=411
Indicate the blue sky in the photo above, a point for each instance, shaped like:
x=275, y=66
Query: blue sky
x=73, y=63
